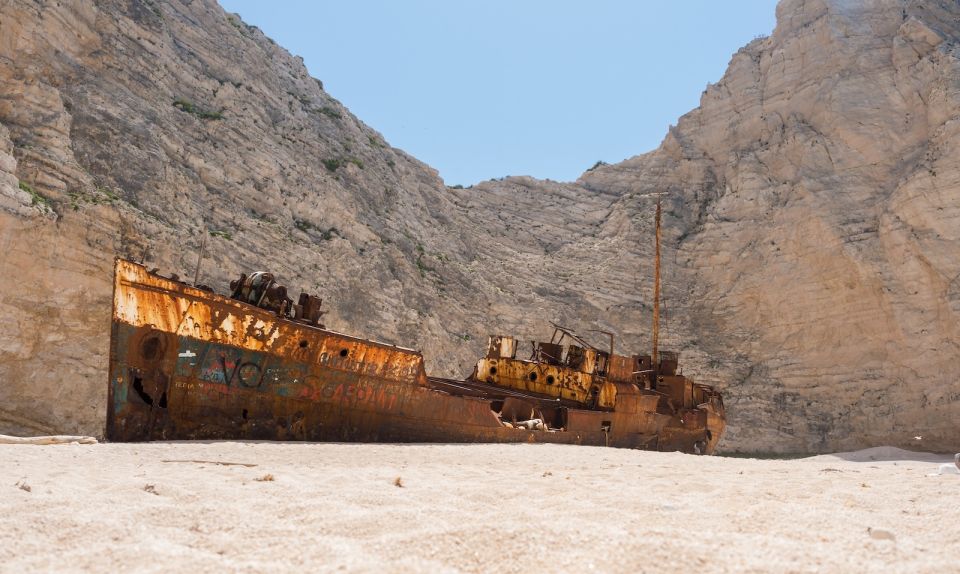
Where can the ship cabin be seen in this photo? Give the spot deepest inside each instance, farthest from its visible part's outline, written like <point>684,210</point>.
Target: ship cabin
<point>581,375</point>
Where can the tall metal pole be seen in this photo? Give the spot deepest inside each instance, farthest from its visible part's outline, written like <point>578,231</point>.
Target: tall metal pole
<point>656,289</point>
<point>203,244</point>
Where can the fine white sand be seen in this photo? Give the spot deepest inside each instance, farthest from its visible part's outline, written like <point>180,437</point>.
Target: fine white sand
<point>476,508</point>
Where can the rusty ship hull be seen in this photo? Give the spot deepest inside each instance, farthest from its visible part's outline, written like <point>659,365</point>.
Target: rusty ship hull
<point>186,364</point>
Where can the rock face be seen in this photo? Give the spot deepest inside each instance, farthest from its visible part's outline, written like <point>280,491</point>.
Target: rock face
<point>816,198</point>
<point>812,215</point>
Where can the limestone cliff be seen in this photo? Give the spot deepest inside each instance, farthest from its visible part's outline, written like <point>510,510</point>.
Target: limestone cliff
<point>816,204</point>
<point>811,223</point>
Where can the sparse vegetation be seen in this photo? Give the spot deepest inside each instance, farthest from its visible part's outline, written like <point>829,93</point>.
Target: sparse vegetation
<point>108,193</point>
<point>308,227</point>
<point>99,196</point>
<point>600,163</point>
<point>422,267</point>
<point>260,216</point>
<point>35,198</point>
<point>355,161</point>
<point>304,100</point>
<point>330,112</point>
<point>304,225</point>
<point>222,234</point>
<point>240,25</point>
<point>188,107</point>
<point>458,186</point>
<point>336,163</point>
<point>154,8</point>
<point>328,234</point>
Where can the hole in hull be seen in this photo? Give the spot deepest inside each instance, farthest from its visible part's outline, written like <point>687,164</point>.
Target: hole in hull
<point>141,392</point>
<point>138,388</point>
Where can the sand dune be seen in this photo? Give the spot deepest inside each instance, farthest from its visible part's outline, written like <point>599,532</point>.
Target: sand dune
<point>478,508</point>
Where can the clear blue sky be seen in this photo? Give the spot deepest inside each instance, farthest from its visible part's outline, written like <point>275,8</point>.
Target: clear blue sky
<point>484,89</point>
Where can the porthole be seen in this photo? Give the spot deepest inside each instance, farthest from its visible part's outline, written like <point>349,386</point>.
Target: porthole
<point>344,352</point>
<point>303,344</point>
<point>150,348</point>
<point>533,376</point>
<point>550,379</point>
<point>493,370</point>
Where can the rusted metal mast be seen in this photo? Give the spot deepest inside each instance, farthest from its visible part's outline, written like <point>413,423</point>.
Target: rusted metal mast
<point>656,288</point>
<point>203,245</point>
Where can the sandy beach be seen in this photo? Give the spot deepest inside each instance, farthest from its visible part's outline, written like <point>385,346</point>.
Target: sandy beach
<point>478,508</point>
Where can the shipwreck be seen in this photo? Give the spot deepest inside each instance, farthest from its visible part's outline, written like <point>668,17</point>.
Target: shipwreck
<point>187,363</point>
